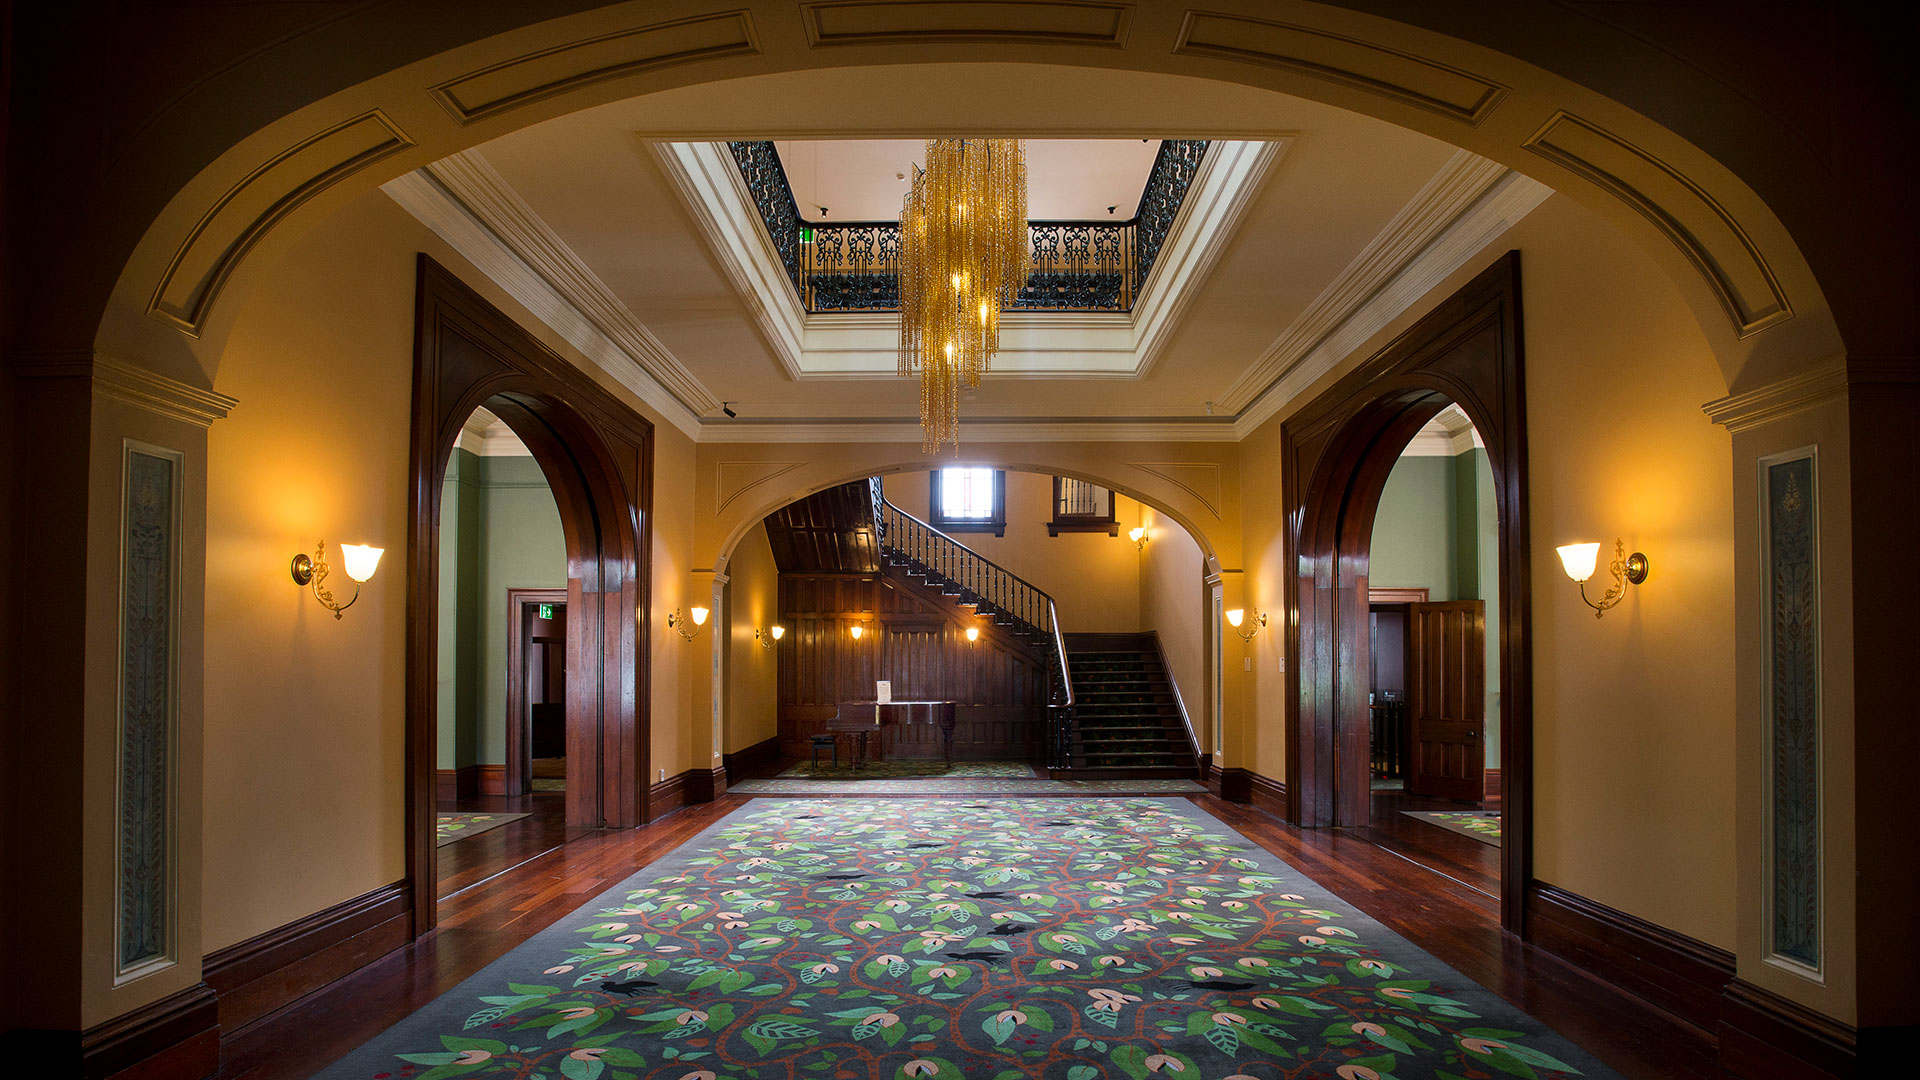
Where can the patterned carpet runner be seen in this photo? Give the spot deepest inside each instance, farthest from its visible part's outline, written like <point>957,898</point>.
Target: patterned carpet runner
<point>1065,939</point>
<point>449,826</point>
<point>1483,825</point>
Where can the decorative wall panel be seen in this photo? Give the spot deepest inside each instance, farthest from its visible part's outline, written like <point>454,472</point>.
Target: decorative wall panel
<point>148,606</point>
<point>1792,665</point>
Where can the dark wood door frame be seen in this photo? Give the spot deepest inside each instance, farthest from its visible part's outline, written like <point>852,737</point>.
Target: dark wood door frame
<point>597,455</point>
<point>1335,456</point>
<point>519,750</point>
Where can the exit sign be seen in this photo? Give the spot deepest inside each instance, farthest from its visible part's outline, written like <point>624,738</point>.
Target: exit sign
<point>546,611</point>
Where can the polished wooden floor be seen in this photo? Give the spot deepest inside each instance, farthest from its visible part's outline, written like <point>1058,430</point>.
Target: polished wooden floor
<point>1470,862</point>
<point>495,896</point>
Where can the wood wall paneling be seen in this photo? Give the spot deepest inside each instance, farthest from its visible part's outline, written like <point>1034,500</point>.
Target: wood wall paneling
<point>1000,693</point>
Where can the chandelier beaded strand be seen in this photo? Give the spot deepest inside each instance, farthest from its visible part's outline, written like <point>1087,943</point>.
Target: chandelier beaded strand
<point>963,258</point>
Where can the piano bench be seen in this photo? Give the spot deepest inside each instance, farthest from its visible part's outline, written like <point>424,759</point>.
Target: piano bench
<point>831,742</point>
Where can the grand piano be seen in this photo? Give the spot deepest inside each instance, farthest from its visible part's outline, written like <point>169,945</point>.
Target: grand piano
<point>867,721</point>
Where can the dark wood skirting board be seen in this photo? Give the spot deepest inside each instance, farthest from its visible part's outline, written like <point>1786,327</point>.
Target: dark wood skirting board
<point>1236,784</point>
<point>670,794</point>
<point>706,785</point>
<point>174,1038</point>
<point>753,760</point>
<point>1266,793</point>
<point>271,970</point>
<point>1763,1036</point>
<point>451,785</point>
<point>1672,971</point>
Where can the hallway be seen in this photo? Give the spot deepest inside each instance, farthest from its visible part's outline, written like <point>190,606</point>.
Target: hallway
<point>1455,924</point>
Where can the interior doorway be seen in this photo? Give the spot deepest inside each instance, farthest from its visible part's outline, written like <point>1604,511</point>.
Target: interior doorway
<point>1458,645</point>
<point>536,716</point>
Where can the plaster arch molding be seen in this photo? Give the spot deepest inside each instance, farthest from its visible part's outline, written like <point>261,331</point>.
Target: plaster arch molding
<point>1199,493</point>
<point>1748,283</point>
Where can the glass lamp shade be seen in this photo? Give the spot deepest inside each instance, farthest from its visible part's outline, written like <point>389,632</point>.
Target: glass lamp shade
<point>1235,616</point>
<point>360,560</point>
<point>1136,534</point>
<point>1579,559</point>
<point>777,631</point>
<point>857,631</point>
<point>699,615</point>
<point>973,633</point>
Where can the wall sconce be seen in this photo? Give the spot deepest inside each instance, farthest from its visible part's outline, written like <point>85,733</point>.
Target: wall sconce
<point>1138,534</point>
<point>856,630</point>
<point>1236,616</point>
<point>675,621</point>
<point>973,634</point>
<point>360,559</point>
<point>771,634</point>
<point>1579,560</point>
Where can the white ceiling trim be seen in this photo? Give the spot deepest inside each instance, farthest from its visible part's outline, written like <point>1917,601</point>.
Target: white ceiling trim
<point>471,179</point>
<point>1464,178</point>
<point>1032,344</point>
<point>423,196</point>
<point>486,435</point>
<point>1500,205</point>
<point>1446,435</point>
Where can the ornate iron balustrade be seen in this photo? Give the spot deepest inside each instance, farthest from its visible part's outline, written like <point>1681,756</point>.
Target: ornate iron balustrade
<point>1075,265</point>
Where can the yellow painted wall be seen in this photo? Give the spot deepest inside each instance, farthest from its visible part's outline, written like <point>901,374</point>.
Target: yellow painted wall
<point>1633,713</point>
<point>1094,578</point>
<point>305,715</point>
<point>1173,605</point>
<point>753,696</point>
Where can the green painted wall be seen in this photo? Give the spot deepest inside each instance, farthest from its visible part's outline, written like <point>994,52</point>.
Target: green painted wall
<point>1438,528</point>
<point>499,530</point>
<point>1414,529</point>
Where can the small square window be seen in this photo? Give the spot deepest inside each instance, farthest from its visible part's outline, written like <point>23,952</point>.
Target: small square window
<point>969,500</point>
<point>1079,506</point>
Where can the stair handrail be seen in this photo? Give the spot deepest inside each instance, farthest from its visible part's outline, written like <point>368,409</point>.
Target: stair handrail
<point>881,531</point>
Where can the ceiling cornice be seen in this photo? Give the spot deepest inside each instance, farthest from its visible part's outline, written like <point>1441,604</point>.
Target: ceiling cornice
<point>1468,203</point>
<point>471,179</point>
<point>429,201</point>
<point>1453,218</point>
<point>1464,178</point>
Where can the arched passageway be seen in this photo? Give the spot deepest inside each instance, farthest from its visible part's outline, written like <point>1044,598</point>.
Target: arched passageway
<point>596,456</point>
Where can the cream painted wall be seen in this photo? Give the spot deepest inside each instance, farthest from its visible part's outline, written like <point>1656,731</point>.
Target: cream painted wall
<point>1094,578</point>
<point>1173,605</point>
<point>305,716</point>
<point>753,604</point>
<point>1634,713</point>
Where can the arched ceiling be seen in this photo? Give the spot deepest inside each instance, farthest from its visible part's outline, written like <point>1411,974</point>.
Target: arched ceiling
<point>1329,208</point>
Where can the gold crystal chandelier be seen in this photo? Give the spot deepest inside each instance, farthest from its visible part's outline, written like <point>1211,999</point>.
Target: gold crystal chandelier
<point>963,257</point>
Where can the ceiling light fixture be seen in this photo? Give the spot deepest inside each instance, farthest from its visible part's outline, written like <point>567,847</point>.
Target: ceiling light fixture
<point>963,258</point>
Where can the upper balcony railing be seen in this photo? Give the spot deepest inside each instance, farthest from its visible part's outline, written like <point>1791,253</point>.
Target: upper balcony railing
<point>1075,265</point>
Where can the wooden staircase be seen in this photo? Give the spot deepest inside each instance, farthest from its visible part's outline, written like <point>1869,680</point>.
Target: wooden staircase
<point>1128,720</point>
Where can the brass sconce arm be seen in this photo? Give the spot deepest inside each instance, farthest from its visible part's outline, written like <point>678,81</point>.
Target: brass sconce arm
<point>770,636</point>
<point>313,571</point>
<point>676,622</point>
<point>1626,570</point>
<point>1245,627</point>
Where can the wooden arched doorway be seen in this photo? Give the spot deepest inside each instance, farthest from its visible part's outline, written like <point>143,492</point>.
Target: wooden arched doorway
<point>597,456</point>
<point>1336,455</point>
